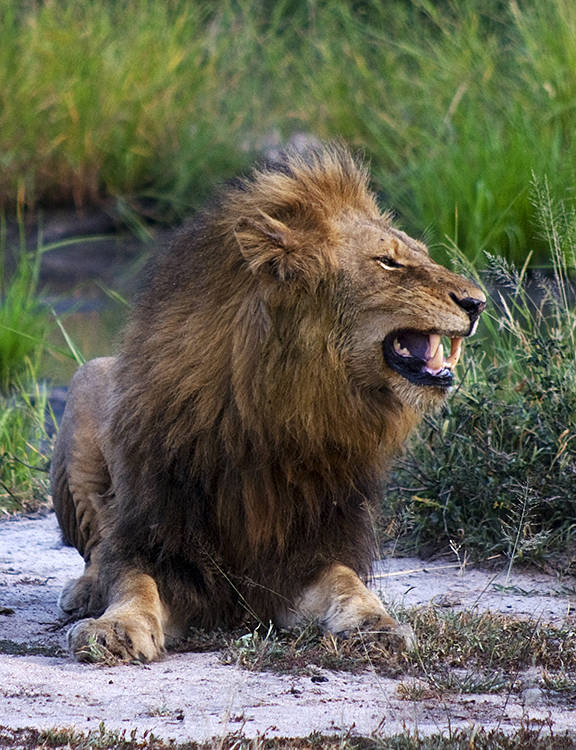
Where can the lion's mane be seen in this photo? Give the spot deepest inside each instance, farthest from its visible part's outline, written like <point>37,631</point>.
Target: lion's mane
<point>243,457</point>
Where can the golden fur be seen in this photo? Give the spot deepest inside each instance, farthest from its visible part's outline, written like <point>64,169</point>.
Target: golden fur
<point>229,459</point>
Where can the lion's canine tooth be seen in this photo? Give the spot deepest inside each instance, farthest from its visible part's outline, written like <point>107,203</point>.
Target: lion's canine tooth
<point>455,351</point>
<point>434,340</point>
<point>436,362</point>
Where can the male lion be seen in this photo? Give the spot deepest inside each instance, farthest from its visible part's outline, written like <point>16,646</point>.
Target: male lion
<point>227,460</point>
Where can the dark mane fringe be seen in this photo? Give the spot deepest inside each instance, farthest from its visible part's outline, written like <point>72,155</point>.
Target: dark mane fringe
<point>241,437</point>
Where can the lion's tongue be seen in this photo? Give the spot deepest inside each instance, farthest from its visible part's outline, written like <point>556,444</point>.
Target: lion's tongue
<point>413,344</point>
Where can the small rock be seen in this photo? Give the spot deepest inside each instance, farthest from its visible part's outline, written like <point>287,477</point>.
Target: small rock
<point>319,678</point>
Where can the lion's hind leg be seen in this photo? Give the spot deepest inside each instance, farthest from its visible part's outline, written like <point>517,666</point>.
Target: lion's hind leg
<point>81,482</point>
<point>78,517</point>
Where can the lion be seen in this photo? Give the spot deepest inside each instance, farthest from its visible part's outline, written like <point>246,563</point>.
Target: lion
<point>228,461</point>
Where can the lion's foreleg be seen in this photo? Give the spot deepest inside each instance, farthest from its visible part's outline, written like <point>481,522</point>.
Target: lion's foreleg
<point>131,628</point>
<point>342,604</point>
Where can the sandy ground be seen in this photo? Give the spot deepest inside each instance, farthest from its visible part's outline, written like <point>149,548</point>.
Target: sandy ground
<point>195,696</point>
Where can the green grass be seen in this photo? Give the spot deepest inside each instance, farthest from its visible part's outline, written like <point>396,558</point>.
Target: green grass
<point>24,327</point>
<point>121,99</point>
<point>23,321</point>
<point>533,735</point>
<point>495,471</point>
<point>456,103</point>
<point>23,450</point>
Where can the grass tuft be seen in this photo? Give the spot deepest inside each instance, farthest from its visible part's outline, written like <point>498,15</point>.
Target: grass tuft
<point>23,450</point>
<point>24,407</point>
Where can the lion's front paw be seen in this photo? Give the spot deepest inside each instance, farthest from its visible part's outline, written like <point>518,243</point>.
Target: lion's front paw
<point>343,605</point>
<point>116,639</point>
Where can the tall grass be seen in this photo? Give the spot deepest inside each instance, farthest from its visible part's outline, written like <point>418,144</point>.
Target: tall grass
<point>23,327</point>
<point>456,103</point>
<point>23,321</point>
<point>129,98</point>
<point>24,409</point>
<point>453,102</point>
<point>496,471</point>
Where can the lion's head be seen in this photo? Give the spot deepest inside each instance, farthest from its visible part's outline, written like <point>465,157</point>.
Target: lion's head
<point>413,313</point>
<point>395,317</point>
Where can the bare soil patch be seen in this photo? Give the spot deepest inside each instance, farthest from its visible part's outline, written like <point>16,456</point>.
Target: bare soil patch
<point>195,696</point>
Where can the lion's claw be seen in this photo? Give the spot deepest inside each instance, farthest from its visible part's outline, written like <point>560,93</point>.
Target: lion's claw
<point>114,641</point>
<point>398,636</point>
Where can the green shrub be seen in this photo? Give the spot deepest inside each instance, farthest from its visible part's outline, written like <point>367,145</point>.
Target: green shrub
<point>495,472</point>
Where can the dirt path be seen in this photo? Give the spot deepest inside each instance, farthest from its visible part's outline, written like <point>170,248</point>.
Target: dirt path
<point>196,696</point>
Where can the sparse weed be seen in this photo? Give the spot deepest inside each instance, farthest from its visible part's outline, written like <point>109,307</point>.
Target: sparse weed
<point>536,735</point>
<point>416,690</point>
<point>489,641</point>
<point>164,710</point>
<point>256,650</point>
<point>97,653</point>
<point>559,686</point>
<point>457,652</point>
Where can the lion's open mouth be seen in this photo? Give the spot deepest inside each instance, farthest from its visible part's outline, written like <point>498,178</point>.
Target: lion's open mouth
<point>420,357</point>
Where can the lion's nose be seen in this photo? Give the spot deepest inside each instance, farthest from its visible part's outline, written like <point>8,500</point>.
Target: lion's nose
<point>471,305</point>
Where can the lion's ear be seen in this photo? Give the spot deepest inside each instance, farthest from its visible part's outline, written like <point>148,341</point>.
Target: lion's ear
<point>269,246</point>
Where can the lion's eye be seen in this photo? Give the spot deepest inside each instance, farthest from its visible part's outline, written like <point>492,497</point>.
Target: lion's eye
<point>388,263</point>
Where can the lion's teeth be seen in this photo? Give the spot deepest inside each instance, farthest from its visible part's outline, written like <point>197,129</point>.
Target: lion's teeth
<point>434,340</point>
<point>455,351</point>
<point>401,350</point>
<point>436,362</point>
